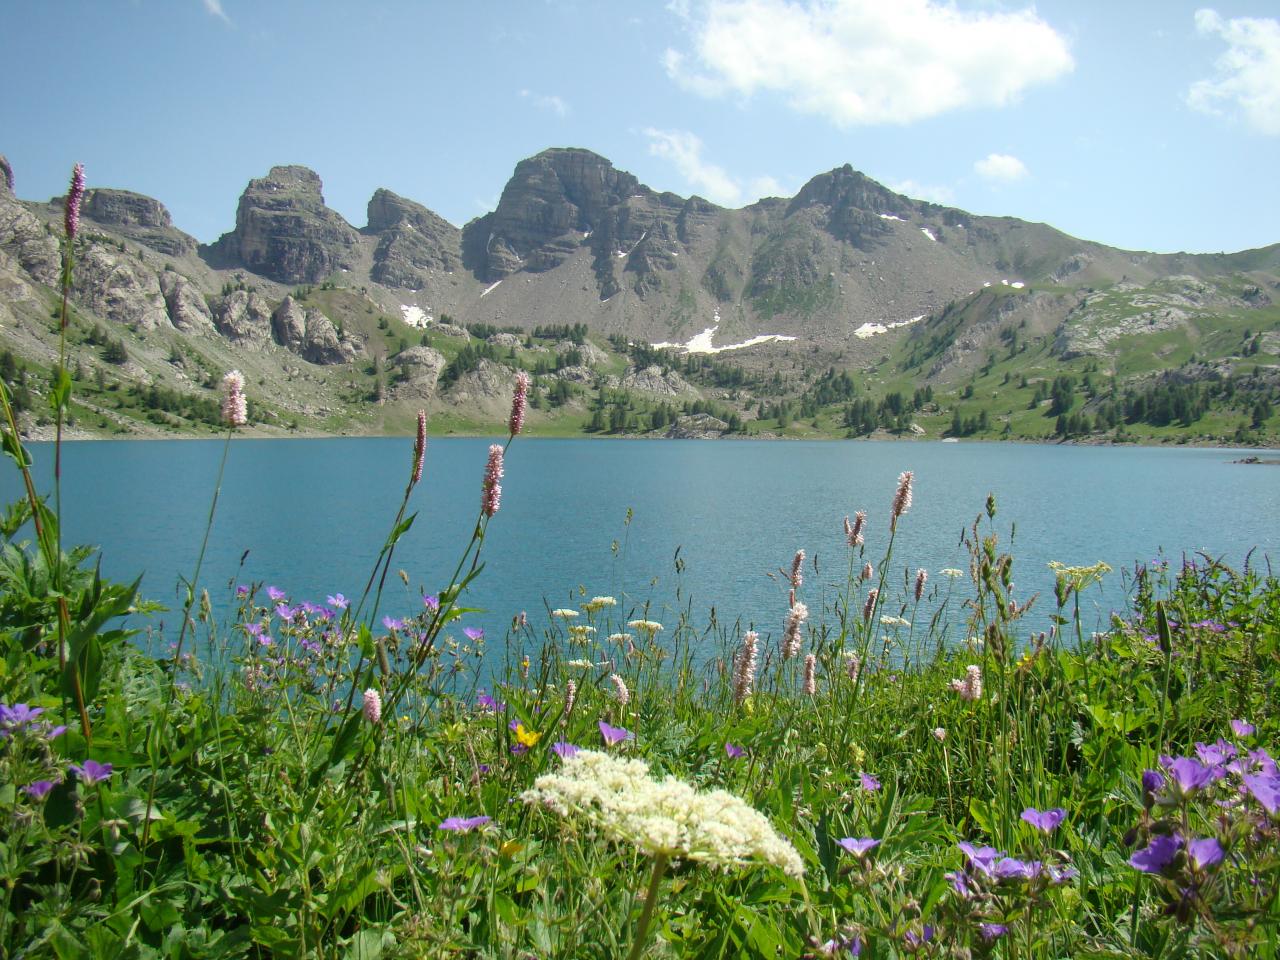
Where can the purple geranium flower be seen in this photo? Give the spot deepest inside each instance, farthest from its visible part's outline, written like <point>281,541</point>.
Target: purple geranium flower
<point>1265,789</point>
<point>615,735</point>
<point>1215,754</point>
<point>430,602</point>
<point>734,751</point>
<point>276,594</point>
<point>337,601</point>
<point>1242,728</point>
<point>391,623</point>
<point>1046,821</point>
<point>463,824</point>
<point>1190,776</point>
<point>1204,853</point>
<point>859,847</point>
<point>17,716</point>
<point>913,941</point>
<point>1010,868</point>
<point>486,702</point>
<point>38,790</point>
<point>1060,875</point>
<point>980,858</point>
<point>91,771</point>
<point>869,782</point>
<point>992,932</point>
<point>242,590</point>
<point>286,612</point>
<point>473,633</point>
<point>1156,856</point>
<point>564,750</point>
<point>1152,781</point>
<point>833,948</point>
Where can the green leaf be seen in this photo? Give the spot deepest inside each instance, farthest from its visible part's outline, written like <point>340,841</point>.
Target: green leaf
<point>60,390</point>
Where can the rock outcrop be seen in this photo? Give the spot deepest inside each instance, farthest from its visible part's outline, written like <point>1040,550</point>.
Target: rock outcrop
<point>117,287</point>
<point>420,368</point>
<point>411,241</point>
<point>6,175</point>
<point>244,317</point>
<point>285,232</point>
<point>659,382</point>
<point>309,334</point>
<point>31,243</point>
<point>697,426</point>
<point>187,308</point>
<point>139,218</point>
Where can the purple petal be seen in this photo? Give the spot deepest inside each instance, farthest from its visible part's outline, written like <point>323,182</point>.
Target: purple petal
<point>614,735</point>
<point>869,782</point>
<point>1242,728</point>
<point>734,751</point>
<point>858,847</point>
<point>564,750</point>
<point>1265,789</point>
<point>1157,855</point>
<point>1044,820</point>
<point>463,824</point>
<point>1204,853</point>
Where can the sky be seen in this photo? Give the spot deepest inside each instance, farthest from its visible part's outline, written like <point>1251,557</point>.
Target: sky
<point>1146,124</point>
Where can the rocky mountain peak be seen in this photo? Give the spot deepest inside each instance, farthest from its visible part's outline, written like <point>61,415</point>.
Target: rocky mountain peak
<point>551,201</point>
<point>851,205</point>
<point>285,232</point>
<point>138,217</point>
<point>411,241</point>
<point>6,174</point>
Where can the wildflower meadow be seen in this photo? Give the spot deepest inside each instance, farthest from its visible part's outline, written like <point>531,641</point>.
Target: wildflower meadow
<point>900,768</point>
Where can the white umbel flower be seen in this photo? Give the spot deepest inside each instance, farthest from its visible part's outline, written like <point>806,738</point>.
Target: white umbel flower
<point>668,817</point>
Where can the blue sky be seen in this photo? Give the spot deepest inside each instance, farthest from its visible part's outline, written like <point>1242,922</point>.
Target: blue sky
<point>1147,125</point>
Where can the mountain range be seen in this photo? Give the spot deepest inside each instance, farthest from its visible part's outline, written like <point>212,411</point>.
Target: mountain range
<point>345,328</point>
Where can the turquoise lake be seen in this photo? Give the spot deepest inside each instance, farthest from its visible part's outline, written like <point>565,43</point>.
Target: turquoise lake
<point>309,516</point>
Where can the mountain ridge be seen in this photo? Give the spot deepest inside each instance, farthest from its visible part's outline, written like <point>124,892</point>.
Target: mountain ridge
<point>847,271</point>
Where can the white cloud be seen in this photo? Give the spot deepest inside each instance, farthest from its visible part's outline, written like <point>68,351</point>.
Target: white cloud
<point>214,8</point>
<point>1248,74</point>
<point>924,191</point>
<point>555,104</point>
<point>1002,167</point>
<point>867,61</point>
<point>684,150</point>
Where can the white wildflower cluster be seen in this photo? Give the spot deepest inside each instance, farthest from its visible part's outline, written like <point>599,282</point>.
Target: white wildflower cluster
<point>620,638</point>
<point>565,613</point>
<point>970,688</point>
<point>645,626</point>
<point>667,817</point>
<point>579,664</point>
<point>889,621</point>
<point>580,632</point>
<point>951,572</point>
<point>599,603</point>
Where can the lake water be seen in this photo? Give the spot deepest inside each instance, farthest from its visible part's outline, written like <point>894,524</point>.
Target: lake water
<point>311,515</point>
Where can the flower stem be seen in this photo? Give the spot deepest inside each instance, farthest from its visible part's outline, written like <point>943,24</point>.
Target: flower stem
<point>650,901</point>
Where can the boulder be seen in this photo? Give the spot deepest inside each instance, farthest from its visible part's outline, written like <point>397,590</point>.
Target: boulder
<point>660,382</point>
<point>244,317</point>
<point>309,334</point>
<point>186,305</point>
<point>421,368</point>
<point>697,426</point>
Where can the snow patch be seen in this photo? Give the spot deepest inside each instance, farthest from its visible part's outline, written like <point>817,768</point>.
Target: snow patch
<point>414,316</point>
<point>868,330</point>
<point>489,289</point>
<point>986,283</point>
<point>1017,284</point>
<point>890,216</point>
<point>703,342</point>
<point>927,233</point>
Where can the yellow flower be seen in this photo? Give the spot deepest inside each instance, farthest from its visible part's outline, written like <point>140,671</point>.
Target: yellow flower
<point>526,737</point>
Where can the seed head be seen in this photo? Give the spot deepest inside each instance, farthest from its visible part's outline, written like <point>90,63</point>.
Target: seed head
<point>75,195</point>
<point>518,403</point>
<point>235,409</point>
<point>492,487</point>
